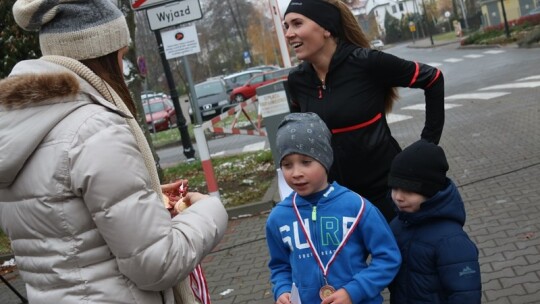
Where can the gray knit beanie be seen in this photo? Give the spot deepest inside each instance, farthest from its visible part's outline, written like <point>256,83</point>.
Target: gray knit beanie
<point>307,134</point>
<point>79,29</point>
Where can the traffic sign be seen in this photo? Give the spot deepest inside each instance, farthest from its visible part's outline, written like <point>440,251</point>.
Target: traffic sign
<point>173,13</point>
<point>142,4</point>
<point>180,42</point>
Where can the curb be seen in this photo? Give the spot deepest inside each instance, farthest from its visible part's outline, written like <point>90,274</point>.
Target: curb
<point>424,46</point>
<point>269,200</point>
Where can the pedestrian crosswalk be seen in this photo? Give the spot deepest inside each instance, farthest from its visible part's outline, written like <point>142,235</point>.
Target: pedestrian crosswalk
<point>486,93</point>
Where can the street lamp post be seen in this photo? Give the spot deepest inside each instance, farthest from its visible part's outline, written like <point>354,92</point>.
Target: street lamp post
<point>426,22</point>
<point>464,12</point>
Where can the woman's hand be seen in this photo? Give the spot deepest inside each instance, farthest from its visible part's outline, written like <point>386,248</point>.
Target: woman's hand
<point>173,193</point>
<point>188,200</point>
<point>173,189</point>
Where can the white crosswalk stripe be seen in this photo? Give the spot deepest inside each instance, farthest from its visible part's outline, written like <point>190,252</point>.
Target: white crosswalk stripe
<point>422,106</point>
<point>493,52</point>
<point>392,118</point>
<point>453,60</point>
<point>535,77</point>
<point>515,85</point>
<point>473,56</point>
<point>483,96</point>
<point>434,64</point>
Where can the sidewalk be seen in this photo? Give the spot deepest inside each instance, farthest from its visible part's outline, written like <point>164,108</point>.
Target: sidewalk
<point>493,149</point>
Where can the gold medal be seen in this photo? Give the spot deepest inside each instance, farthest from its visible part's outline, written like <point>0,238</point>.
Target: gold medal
<point>326,291</point>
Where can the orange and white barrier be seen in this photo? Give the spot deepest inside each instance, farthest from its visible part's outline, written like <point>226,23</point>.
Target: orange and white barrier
<point>236,111</point>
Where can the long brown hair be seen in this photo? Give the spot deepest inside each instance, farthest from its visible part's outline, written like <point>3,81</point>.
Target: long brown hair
<point>353,33</point>
<point>108,69</point>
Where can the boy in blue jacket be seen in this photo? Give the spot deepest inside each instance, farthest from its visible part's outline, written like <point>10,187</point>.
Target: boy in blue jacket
<point>321,235</point>
<point>440,262</point>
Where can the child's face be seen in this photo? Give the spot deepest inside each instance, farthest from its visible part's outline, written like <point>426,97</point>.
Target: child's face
<point>304,174</point>
<point>407,201</point>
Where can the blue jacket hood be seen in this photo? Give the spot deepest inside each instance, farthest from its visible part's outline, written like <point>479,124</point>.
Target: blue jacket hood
<point>446,204</point>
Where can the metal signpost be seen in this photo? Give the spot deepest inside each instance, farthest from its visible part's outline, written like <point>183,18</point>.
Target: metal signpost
<point>170,13</point>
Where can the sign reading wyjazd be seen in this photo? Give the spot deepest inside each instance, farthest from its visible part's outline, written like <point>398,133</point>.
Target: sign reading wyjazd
<point>173,13</point>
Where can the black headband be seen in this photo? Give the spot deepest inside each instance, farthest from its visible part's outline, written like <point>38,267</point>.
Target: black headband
<point>321,12</point>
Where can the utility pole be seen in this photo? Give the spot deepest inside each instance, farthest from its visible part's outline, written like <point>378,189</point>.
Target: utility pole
<point>506,28</point>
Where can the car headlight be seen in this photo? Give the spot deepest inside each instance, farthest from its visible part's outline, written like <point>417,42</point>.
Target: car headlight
<point>223,103</point>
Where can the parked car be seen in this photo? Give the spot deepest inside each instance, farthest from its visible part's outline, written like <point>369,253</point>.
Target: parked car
<point>237,79</point>
<point>248,90</point>
<point>533,11</point>
<point>377,44</point>
<point>160,114</point>
<point>212,98</point>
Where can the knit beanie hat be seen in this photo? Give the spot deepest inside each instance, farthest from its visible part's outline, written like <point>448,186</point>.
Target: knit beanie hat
<point>419,168</point>
<point>81,29</point>
<point>307,134</point>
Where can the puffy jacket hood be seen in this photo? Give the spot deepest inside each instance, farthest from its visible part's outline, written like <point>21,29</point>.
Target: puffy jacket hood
<point>23,93</point>
<point>446,204</point>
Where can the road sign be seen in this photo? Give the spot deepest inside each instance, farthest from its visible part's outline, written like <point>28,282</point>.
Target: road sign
<point>180,42</point>
<point>142,4</point>
<point>173,13</point>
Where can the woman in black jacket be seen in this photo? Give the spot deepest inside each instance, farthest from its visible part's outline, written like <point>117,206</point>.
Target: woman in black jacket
<point>352,87</point>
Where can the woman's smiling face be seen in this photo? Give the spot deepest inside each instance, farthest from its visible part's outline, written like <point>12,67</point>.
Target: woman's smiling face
<point>304,35</point>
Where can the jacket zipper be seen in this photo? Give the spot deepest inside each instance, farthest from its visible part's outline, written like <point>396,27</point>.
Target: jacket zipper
<point>321,88</point>
<point>315,235</point>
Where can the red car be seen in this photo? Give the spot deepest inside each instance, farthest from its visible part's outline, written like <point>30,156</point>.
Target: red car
<point>160,114</point>
<point>248,90</point>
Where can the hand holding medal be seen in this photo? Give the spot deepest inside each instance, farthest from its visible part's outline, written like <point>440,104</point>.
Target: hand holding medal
<point>337,297</point>
<point>174,196</point>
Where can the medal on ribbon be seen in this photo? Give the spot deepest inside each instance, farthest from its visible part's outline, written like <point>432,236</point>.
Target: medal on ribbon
<point>326,290</point>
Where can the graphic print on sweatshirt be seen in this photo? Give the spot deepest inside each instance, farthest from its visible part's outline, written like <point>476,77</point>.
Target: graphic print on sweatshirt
<point>328,232</point>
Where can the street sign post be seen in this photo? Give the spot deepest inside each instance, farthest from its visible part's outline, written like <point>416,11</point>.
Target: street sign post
<point>173,13</point>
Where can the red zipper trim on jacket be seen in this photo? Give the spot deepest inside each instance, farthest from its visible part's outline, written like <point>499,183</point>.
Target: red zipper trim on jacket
<point>416,72</point>
<point>321,88</point>
<point>358,126</point>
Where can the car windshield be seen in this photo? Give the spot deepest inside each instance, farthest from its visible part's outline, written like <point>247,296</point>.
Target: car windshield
<point>153,107</point>
<point>208,89</point>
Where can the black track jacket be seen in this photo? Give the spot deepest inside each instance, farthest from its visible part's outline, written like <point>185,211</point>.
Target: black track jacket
<point>351,103</point>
